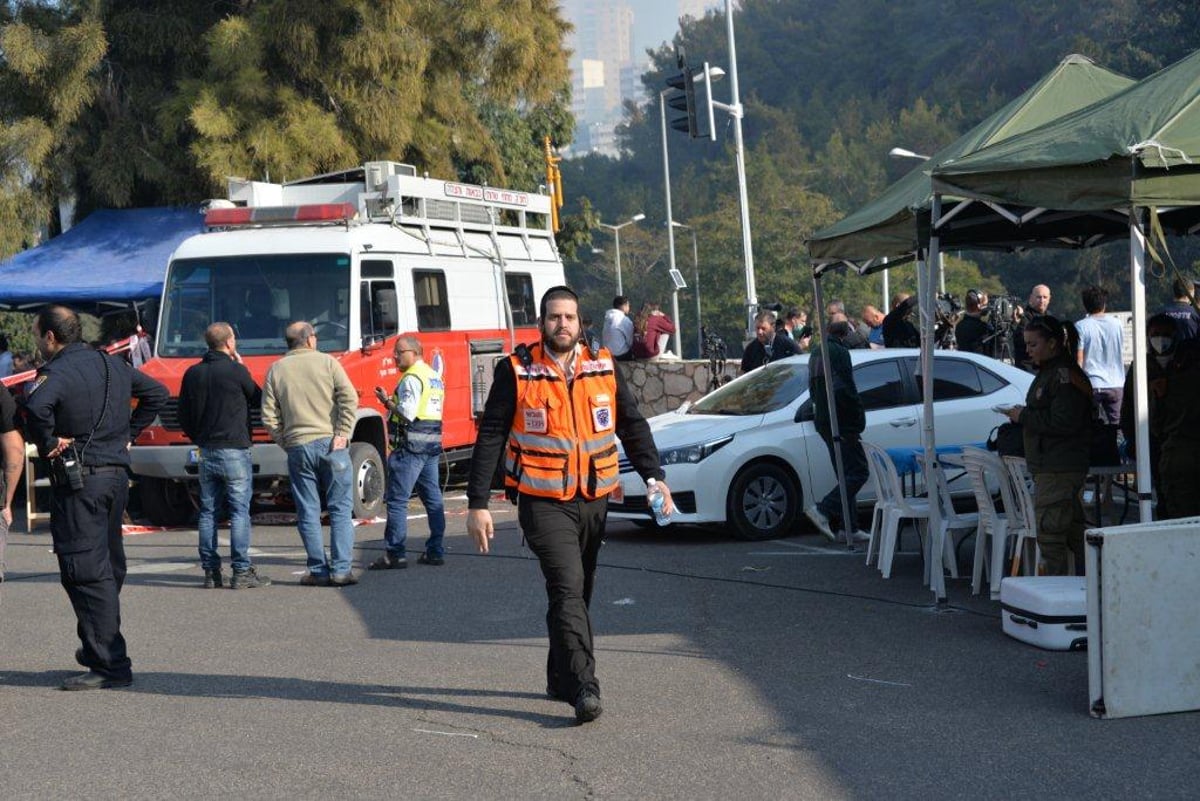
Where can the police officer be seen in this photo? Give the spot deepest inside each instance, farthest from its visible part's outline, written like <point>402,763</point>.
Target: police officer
<point>77,414</point>
<point>1056,422</point>
<point>556,409</point>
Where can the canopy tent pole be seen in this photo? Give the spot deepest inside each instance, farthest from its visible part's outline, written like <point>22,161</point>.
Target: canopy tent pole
<point>925,293</point>
<point>1141,398</point>
<point>848,522</point>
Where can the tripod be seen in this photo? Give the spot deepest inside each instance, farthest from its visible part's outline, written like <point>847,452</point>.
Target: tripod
<point>999,345</point>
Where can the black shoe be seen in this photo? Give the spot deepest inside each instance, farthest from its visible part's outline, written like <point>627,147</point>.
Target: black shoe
<point>388,562</point>
<point>344,580</point>
<point>587,706</point>
<point>309,580</point>
<point>430,559</point>
<point>213,579</point>
<point>94,681</point>
<point>248,579</point>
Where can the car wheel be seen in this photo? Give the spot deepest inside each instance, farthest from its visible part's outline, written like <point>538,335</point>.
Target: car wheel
<point>764,502</point>
<point>370,480</point>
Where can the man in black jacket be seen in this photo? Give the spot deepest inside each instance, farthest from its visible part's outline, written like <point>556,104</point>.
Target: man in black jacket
<point>214,411</point>
<point>826,515</point>
<point>768,344</point>
<point>77,414</point>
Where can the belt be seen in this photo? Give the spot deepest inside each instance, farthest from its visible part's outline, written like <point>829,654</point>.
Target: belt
<point>103,468</point>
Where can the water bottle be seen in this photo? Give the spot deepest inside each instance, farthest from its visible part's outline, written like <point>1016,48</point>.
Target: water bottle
<point>656,499</point>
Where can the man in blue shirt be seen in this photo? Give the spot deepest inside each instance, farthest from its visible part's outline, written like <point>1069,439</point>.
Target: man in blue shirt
<point>1100,355</point>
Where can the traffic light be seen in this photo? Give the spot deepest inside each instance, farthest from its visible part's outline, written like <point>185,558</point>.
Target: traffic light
<point>683,98</point>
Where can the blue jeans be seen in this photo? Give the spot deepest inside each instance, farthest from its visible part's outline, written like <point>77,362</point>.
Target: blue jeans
<point>316,471</point>
<point>226,478</point>
<point>405,471</point>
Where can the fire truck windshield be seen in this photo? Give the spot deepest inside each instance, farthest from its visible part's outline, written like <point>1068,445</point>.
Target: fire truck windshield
<point>259,296</point>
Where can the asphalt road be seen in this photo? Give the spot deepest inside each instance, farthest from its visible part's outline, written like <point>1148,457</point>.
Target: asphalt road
<point>777,670</point>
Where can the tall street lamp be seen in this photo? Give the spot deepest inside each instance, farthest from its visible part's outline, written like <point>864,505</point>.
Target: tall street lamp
<point>616,229</point>
<point>696,282</point>
<point>905,153</point>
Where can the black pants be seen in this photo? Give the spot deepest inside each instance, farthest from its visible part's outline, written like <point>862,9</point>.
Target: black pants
<point>86,528</point>
<point>566,537</point>
<point>854,462</point>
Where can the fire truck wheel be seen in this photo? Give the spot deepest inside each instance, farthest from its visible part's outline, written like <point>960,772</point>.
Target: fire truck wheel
<point>165,502</point>
<point>370,480</point>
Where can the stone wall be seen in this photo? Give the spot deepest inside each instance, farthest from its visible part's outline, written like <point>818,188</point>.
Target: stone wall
<point>662,385</point>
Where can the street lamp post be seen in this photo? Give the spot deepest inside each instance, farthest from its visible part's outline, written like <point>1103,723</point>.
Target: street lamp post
<point>662,115</point>
<point>696,284</point>
<point>905,153</point>
<point>616,229</point>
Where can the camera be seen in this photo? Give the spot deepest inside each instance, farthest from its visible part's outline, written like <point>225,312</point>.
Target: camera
<point>68,468</point>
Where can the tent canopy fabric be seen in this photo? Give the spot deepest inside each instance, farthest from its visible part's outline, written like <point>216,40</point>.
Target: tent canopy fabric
<point>1139,147</point>
<point>111,256</point>
<point>890,226</point>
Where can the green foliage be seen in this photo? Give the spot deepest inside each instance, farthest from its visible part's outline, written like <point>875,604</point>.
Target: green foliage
<point>146,102</point>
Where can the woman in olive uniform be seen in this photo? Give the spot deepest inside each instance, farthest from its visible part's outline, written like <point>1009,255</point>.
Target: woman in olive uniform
<point>1057,423</point>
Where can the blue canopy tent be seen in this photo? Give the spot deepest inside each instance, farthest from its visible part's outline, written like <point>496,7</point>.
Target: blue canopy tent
<point>113,257</point>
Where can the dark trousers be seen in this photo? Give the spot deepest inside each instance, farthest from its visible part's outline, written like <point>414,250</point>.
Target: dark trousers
<point>854,462</point>
<point>566,537</point>
<point>86,528</point>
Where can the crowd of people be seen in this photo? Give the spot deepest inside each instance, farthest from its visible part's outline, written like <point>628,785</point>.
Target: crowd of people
<point>643,336</point>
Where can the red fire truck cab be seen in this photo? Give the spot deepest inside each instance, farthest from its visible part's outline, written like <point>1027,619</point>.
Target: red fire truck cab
<point>364,256</point>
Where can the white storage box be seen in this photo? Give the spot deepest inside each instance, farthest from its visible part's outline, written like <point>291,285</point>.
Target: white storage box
<point>1047,611</point>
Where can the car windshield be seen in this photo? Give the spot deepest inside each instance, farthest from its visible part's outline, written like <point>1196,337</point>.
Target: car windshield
<point>258,296</point>
<point>766,390</point>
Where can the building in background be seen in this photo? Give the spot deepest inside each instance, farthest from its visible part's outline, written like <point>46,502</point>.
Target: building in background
<point>608,58</point>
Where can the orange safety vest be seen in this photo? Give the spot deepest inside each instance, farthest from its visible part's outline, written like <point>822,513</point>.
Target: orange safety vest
<point>563,438</point>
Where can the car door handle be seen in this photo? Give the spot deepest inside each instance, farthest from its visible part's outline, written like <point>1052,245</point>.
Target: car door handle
<point>903,422</point>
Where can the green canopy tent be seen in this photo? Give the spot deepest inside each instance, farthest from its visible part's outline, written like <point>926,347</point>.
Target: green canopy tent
<point>895,227</point>
<point>1133,157</point>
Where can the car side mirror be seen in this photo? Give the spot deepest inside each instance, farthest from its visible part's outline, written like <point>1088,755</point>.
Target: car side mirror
<point>805,413</point>
<point>371,343</point>
<point>683,407</point>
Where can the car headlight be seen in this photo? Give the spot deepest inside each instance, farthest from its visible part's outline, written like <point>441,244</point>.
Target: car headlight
<point>691,454</point>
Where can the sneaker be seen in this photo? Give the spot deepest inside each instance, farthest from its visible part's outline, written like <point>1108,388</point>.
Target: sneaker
<point>309,580</point>
<point>388,562</point>
<point>213,579</point>
<point>430,559</point>
<point>819,520</point>
<point>248,579</point>
<point>344,580</point>
<point>860,536</point>
<point>587,706</point>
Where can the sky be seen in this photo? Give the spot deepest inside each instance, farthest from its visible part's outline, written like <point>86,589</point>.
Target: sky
<point>655,22</point>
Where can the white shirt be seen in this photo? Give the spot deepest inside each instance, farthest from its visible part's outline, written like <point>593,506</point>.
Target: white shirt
<point>1100,339</point>
<point>617,334</point>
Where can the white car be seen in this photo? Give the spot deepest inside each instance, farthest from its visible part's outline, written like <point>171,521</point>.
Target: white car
<point>749,455</point>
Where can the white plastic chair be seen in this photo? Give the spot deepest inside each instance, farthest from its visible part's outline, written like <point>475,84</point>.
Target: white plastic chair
<point>896,507</point>
<point>994,526</point>
<point>1026,536</point>
<point>951,520</point>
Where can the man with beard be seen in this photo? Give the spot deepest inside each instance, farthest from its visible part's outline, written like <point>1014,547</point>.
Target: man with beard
<point>555,410</point>
<point>768,344</point>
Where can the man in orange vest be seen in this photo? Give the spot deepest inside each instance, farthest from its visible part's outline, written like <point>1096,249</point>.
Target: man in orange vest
<point>555,411</point>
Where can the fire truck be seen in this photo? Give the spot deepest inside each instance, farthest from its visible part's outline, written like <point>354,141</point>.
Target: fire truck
<point>364,256</point>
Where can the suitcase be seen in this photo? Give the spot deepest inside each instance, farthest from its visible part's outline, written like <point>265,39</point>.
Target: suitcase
<point>1047,611</point>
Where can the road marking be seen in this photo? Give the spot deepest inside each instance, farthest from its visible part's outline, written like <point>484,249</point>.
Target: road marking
<point>448,733</point>
<point>877,681</point>
<point>160,567</point>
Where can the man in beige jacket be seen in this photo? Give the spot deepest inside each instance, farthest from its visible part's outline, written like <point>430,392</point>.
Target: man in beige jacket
<point>309,407</point>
